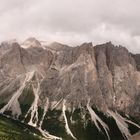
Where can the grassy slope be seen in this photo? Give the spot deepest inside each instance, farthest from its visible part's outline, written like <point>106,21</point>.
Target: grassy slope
<point>9,130</point>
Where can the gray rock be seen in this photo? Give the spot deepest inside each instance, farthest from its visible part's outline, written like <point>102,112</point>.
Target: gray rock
<point>107,74</point>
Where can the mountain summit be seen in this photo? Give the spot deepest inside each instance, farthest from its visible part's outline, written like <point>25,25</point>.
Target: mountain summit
<point>31,42</point>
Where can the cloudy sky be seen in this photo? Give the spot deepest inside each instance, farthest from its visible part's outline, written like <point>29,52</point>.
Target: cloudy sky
<point>72,21</point>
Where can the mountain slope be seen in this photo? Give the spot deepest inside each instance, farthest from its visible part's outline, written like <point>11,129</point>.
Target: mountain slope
<point>12,130</point>
<point>37,78</point>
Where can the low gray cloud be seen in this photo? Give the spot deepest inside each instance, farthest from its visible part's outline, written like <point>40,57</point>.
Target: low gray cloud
<point>72,21</point>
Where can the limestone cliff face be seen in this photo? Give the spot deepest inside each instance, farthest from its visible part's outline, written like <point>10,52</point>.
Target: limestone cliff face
<point>108,75</point>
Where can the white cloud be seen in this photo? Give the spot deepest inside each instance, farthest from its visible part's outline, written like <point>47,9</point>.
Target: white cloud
<point>72,21</point>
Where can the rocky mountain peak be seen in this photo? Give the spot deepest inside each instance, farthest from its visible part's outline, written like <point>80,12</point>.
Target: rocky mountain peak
<point>31,42</point>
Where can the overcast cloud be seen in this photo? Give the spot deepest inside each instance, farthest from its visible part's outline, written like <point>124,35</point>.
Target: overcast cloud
<point>72,21</point>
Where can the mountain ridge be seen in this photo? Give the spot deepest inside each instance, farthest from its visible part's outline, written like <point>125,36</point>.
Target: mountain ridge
<point>60,77</point>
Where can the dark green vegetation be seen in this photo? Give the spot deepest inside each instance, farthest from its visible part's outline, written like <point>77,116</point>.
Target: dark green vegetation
<point>81,127</point>
<point>13,130</point>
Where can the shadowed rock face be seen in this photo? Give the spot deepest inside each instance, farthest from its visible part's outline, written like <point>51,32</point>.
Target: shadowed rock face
<point>107,75</point>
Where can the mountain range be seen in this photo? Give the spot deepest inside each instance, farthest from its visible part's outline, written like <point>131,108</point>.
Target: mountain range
<point>40,81</point>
